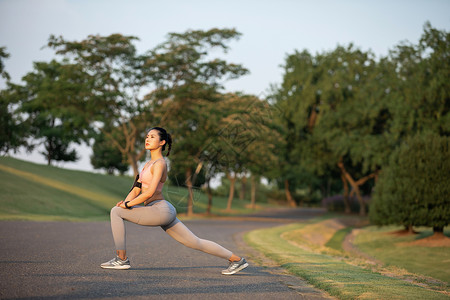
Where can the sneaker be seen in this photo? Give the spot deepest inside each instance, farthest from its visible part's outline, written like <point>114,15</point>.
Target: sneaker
<point>116,263</point>
<point>235,266</point>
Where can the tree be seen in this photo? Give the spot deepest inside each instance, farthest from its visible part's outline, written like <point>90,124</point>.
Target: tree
<point>13,132</point>
<point>3,54</point>
<point>329,109</point>
<point>116,97</point>
<point>413,189</point>
<point>188,84</point>
<point>106,156</point>
<point>419,105</point>
<point>420,96</point>
<point>251,139</point>
<point>52,102</point>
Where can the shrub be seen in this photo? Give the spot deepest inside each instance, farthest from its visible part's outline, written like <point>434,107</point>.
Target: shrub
<point>414,189</point>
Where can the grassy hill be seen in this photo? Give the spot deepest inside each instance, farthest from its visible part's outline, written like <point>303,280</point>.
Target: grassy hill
<point>38,192</point>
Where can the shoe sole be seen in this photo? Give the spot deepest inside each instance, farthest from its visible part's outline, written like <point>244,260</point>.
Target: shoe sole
<point>117,267</point>
<point>236,270</point>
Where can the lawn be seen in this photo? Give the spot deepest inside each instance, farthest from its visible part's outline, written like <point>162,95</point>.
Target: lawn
<point>39,192</point>
<point>298,248</point>
<point>395,250</point>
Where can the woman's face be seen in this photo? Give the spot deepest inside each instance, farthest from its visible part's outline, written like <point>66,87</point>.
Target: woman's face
<point>152,140</point>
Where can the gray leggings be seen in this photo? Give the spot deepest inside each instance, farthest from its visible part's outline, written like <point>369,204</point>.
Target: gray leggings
<point>161,213</point>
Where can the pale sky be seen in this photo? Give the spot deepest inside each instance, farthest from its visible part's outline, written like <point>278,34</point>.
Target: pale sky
<point>270,30</point>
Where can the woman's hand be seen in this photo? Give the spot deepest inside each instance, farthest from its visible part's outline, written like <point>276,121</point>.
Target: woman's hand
<point>120,204</point>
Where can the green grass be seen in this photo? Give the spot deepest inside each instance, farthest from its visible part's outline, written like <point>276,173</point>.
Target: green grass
<point>331,273</point>
<point>23,199</point>
<point>430,261</point>
<point>338,238</point>
<point>38,192</point>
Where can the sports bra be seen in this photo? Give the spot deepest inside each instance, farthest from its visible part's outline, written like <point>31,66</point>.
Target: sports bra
<point>146,178</point>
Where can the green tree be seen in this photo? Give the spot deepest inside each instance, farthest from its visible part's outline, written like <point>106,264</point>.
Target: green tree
<point>419,105</point>
<point>250,140</point>
<point>13,132</point>
<point>107,156</point>
<point>3,54</point>
<point>120,80</point>
<point>52,102</point>
<point>188,84</point>
<point>413,189</point>
<point>352,117</point>
<point>328,108</point>
<point>420,96</point>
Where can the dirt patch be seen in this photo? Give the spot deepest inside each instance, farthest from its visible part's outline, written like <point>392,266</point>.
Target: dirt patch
<point>349,247</point>
<point>321,233</point>
<point>402,232</point>
<point>254,207</point>
<point>431,241</point>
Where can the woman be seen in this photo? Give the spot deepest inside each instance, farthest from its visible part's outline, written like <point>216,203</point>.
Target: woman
<point>147,189</point>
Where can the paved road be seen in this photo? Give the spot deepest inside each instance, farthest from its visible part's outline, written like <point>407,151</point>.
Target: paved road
<point>60,260</point>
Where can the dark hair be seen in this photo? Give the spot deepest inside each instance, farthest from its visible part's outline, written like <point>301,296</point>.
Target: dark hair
<point>164,136</point>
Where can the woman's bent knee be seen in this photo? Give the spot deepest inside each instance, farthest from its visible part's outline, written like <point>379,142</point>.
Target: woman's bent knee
<point>115,210</point>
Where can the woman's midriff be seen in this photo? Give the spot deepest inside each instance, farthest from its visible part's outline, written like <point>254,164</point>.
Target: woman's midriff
<point>156,196</point>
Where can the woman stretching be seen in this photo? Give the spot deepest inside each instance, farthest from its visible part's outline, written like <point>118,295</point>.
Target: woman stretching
<point>156,211</point>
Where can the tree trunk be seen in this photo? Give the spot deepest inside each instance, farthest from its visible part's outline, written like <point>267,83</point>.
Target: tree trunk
<point>49,148</point>
<point>231,194</point>
<point>210,196</point>
<point>197,170</point>
<point>110,171</point>
<point>133,163</point>
<point>190,204</point>
<point>348,177</point>
<point>289,198</point>
<point>346,201</point>
<point>49,158</point>
<point>362,205</point>
<point>253,192</point>
<point>312,118</point>
<point>243,188</point>
<point>438,232</point>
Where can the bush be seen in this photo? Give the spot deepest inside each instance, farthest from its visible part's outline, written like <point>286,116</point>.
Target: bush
<point>414,189</point>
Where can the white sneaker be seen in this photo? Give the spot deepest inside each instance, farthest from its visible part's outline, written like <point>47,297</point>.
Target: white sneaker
<point>116,263</point>
<point>235,266</point>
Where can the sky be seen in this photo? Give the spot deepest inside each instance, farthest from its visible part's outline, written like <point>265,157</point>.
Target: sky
<point>270,31</point>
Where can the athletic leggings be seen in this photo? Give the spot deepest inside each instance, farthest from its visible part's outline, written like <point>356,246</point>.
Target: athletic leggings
<point>161,213</point>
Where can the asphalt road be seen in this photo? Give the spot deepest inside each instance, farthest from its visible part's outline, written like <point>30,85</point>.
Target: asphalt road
<point>61,260</point>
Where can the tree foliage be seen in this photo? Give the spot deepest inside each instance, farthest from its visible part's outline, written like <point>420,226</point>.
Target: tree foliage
<point>119,79</point>
<point>52,102</point>
<point>106,156</point>
<point>188,84</point>
<point>337,116</point>
<point>329,112</point>
<point>13,132</point>
<point>414,188</point>
<point>342,112</point>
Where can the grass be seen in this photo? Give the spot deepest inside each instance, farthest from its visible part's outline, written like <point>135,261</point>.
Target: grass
<point>394,250</point>
<point>39,192</point>
<point>327,270</point>
<point>338,238</point>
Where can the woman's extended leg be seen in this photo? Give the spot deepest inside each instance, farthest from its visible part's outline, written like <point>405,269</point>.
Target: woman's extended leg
<point>183,235</point>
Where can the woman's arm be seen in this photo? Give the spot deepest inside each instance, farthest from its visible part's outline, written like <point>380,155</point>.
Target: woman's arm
<point>158,170</point>
<point>131,195</point>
